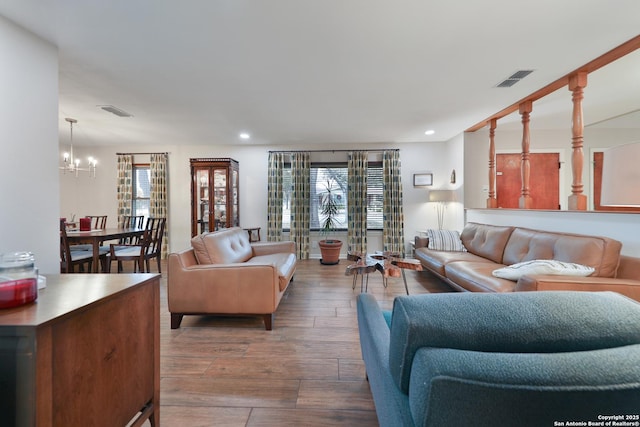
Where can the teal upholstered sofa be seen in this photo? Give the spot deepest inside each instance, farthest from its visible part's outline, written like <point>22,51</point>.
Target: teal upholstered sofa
<point>515,359</point>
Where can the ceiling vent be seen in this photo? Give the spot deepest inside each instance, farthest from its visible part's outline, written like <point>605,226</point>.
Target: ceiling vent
<point>114,110</point>
<point>514,78</point>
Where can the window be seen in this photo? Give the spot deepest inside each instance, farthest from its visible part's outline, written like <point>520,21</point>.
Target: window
<point>141,194</point>
<point>335,175</point>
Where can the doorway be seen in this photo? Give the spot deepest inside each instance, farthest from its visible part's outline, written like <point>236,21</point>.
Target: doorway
<point>544,180</point>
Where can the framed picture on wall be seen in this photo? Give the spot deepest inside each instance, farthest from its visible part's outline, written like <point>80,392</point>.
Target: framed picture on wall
<point>422,179</point>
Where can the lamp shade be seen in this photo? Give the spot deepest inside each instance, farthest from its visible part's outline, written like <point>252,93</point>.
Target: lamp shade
<point>442,196</point>
<point>621,176</point>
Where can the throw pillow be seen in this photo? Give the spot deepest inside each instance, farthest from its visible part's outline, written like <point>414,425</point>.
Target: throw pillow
<point>542,266</point>
<point>445,240</point>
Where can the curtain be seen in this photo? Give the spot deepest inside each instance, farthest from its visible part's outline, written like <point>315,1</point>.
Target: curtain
<point>357,196</point>
<point>124,185</point>
<point>300,202</point>
<point>158,196</point>
<point>274,197</point>
<point>393,228</point>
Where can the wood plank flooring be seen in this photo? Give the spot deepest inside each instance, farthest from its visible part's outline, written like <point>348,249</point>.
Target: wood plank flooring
<point>307,371</point>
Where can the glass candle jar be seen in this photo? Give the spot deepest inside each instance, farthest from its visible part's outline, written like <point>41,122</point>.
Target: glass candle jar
<point>18,279</point>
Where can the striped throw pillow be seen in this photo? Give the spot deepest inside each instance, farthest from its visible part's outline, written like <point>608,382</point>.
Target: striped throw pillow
<point>445,240</point>
<point>542,266</point>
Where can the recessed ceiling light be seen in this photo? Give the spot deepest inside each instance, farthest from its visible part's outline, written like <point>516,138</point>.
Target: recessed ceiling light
<point>244,135</point>
<point>429,132</point>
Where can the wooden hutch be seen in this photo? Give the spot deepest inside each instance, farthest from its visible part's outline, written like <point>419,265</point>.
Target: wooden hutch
<point>214,194</point>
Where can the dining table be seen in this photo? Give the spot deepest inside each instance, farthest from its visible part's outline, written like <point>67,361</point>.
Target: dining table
<point>98,236</point>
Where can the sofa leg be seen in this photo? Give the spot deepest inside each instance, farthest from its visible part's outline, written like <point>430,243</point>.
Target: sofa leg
<point>176,319</point>
<point>268,321</point>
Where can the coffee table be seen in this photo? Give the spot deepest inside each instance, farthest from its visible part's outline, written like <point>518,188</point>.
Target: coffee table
<point>389,264</point>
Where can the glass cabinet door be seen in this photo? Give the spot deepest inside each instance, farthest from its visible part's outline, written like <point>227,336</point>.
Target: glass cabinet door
<point>202,199</point>
<point>220,198</point>
<point>234,203</point>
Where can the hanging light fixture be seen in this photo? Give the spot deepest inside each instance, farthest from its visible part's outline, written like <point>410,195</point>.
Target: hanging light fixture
<point>71,164</point>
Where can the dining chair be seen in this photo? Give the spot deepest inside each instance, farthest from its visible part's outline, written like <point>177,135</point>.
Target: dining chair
<point>149,247</point>
<point>132,221</point>
<point>154,250</point>
<point>68,258</point>
<point>98,222</point>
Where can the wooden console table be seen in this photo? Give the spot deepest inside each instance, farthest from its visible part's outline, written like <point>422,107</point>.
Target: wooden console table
<point>85,353</point>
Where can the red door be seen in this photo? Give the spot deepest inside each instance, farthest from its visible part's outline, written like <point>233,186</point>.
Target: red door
<point>544,180</point>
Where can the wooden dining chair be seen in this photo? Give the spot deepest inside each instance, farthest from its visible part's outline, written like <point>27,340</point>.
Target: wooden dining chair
<point>149,247</point>
<point>132,221</point>
<point>70,259</point>
<point>98,222</point>
<point>154,250</point>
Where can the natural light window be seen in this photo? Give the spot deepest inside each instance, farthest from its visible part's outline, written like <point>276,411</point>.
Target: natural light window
<point>141,193</point>
<point>336,177</point>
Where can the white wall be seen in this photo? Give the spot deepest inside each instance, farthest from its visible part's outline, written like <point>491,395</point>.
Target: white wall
<point>84,196</point>
<point>476,157</point>
<point>29,188</point>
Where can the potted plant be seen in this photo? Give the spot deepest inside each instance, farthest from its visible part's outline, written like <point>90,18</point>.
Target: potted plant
<point>330,206</point>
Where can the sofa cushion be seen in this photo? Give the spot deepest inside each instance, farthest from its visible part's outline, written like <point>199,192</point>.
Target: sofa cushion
<point>516,322</point>
<point>445,240</point>
<point>436,260</point>
<point>285,264</point>
<point>601,253</point>
<point>468,388</point>
<point>487,241</point>
<point>477,277</point>
<point>542,266</point>
<point>222,247</point>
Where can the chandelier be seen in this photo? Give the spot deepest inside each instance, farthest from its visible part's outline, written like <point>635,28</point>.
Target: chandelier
<point>71,164</point>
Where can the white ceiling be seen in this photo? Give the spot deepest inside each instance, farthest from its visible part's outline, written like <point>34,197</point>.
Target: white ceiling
<point>317,71</point>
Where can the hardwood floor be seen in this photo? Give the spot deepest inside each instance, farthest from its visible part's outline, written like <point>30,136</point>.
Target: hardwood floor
<point>230,371</point>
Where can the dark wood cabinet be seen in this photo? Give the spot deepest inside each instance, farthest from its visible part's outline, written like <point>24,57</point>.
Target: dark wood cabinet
<point>87,352</point>
<point>214,194</point>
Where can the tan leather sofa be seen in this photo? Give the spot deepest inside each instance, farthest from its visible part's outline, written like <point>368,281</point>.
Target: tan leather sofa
<point>224,273</point>
<point>490,247</point>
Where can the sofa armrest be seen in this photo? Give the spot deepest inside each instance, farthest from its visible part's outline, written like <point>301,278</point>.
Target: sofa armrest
<point>627,287</point>
<point>266,248</point>
<point>392,406</point>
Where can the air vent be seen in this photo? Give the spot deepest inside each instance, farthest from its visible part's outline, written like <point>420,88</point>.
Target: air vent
<point>514,78</point>
<point>114,110</point>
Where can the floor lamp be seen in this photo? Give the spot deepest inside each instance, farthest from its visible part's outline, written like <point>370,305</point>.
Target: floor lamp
<point>621,176</point>
<point>441,198</point>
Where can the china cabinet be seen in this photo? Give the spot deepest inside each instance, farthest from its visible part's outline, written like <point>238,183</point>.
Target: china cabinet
<point>214,194</point>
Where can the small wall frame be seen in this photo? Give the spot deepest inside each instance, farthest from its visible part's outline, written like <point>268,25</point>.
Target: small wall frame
<point>422,179</point>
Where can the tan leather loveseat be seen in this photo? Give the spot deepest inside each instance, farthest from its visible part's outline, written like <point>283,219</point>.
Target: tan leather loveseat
<point>223,273</point>
<point>490,247</point>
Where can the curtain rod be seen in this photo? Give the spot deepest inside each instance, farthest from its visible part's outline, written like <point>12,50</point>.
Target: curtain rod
<point>131,154</point>
<point>333,151</point>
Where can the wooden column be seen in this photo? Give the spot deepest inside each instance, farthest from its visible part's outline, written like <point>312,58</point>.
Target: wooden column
<point>577,200</point>
<point>525,201</point>
<point>492,202</point>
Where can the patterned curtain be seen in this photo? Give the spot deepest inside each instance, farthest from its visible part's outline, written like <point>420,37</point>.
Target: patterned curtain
<point>357,188</point>
<point>124,185</point>
<point>300,202</point>
<point>158,197</point>
<point>274,197</point>
<point>393,228</point>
